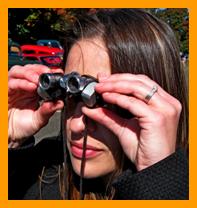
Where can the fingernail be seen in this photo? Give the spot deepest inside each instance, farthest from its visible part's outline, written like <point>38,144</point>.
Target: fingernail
<point>106,94</point>
<point>102,76</point>
<point>99,85</point>
<point>84,109</point>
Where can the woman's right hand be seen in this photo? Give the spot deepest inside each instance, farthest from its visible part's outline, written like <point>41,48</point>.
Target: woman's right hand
<point>25,115</point>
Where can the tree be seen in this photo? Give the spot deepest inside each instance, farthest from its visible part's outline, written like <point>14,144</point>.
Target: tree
<point>178,19</point>
<point>29,25</point>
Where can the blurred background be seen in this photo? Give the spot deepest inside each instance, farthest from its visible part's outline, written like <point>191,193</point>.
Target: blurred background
<point>46,27</point>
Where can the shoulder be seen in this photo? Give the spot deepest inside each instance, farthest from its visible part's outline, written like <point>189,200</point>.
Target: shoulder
<point>26,164</point>
<point>167,179</point>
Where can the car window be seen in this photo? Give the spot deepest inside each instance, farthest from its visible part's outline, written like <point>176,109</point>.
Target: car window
<point>55,45</point>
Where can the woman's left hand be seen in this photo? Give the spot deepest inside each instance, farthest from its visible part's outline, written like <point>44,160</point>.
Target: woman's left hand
<point>150,135</point>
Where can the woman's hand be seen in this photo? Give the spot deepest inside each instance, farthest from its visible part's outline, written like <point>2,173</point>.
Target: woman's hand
<point>150,135</point>
<point>25,115</point>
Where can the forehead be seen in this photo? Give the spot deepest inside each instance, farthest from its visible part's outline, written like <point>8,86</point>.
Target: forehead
<point>88,57</point>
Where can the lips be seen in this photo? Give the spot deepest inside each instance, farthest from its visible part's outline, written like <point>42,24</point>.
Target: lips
<point>90,152</point>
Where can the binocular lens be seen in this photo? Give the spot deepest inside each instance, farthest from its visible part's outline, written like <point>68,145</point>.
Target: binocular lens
<point>73,85</point>
<point>53,86</point>
<point>45,82</point>
<point>49,80</point>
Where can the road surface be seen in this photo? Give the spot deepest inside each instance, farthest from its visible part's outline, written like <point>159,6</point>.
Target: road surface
<point>51,129</point>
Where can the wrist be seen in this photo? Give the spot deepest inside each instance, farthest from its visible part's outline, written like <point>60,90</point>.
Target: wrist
<point>12,142</point>
<point>145,163</point>
<point>13,145</point>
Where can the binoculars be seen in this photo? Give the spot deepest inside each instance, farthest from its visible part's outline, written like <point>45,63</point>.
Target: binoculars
<point>54,86</point>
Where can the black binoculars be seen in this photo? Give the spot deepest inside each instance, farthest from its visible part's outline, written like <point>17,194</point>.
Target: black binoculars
<point>54,86</point>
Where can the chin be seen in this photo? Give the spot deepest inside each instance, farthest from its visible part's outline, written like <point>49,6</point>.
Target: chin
<point>91,170</point>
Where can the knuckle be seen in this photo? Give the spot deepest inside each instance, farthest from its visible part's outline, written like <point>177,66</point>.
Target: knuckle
<point>36,66</point>
<point>116,86</point>
<point>138,83</point>
<point>29,73</point>
<point>14,68</point>
<point>178,106</point>
<point>29,68</point>
<point>175,109</point>
<point>143,77</point>
<point>10,83</point>
<point>172,112</point>
<point>160,119</point>
<point>41,66</point>
<point>57,71</point>
<point>29,65</point>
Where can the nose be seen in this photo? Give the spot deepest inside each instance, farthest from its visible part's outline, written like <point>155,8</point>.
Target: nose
<point>77,122</point>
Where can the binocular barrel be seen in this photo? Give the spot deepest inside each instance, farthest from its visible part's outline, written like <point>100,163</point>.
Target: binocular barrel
<point>48,80</point>
<point>53,86</point>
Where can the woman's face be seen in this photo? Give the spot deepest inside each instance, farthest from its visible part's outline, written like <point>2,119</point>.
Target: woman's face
<point>103,149</point>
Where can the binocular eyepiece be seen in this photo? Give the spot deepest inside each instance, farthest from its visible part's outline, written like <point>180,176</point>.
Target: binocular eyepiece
<point>54,86</point>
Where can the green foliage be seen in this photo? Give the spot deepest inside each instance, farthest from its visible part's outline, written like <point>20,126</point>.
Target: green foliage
<point>178,19</point>
<point>29,25</point>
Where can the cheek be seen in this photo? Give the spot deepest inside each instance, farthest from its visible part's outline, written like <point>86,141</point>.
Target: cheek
<point>115,149</point>
<point>67,128</point>
<point>71,106</point>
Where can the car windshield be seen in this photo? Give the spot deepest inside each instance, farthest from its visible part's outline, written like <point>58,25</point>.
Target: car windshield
<point>54,44</point>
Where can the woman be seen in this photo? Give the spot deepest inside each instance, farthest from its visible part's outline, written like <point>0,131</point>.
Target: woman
<point>132,155</point>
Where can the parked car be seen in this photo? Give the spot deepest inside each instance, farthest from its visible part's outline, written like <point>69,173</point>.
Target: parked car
<point>52,62</point>
<point>13,47</point>
<point>35,50</point>
<point>15,56</point>
<point>50,43</point>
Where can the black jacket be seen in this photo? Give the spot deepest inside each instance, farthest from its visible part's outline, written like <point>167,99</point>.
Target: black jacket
<point>167,179</point>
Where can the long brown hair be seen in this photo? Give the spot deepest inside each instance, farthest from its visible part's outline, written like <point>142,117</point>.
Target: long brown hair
<point>137,43</point>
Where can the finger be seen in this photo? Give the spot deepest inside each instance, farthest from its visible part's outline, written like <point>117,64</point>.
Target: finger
<point>45,69</point>
<point>45,111</point>
<point>140,91</point>
<point>105,117</point>
<point>119,126</point>
<point>20,84</point>
<point>139,109</point>
<point>30,72</point>
<point>124,76</point>
<point>136,77</point>
<point>134,88</point>
<point>135,106</point>
<point>57,71</point>
<point>101,76</point>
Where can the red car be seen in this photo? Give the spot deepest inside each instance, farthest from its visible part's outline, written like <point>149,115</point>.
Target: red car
<point>37,50</point>
<point>50,56</point>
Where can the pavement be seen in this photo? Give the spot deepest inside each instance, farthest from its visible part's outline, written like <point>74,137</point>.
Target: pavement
<point>51,129</point>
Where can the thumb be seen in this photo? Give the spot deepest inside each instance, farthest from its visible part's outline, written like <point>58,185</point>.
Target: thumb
<point>125,130</point>
<point>105,117</point>
<point>45,111</point>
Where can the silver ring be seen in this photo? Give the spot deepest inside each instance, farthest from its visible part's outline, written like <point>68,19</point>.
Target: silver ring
<point>151,93</point>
